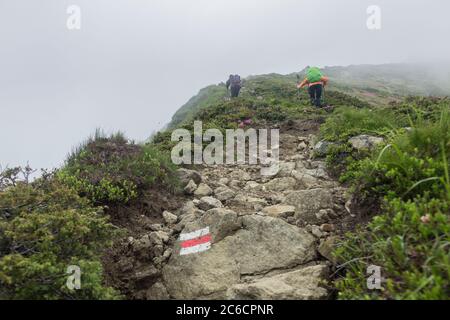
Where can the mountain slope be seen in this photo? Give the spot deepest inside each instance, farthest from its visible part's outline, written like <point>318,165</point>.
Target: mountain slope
<point>375,84</point>
<point>365,185</point>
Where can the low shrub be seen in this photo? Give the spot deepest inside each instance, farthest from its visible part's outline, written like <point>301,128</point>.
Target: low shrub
<point>409,238</point>
<point>413,163</point>
<point>45,227</point>
<point>410,242</point>
<point>347,122</point>
<point>114,170</point>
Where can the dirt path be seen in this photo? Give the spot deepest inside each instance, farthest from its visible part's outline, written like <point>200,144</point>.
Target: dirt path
<point>241,235</point>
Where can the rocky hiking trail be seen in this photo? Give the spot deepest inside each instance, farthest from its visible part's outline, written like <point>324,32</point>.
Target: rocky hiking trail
<point>240,235</point>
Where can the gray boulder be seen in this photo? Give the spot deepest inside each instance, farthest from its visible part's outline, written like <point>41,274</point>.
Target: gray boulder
<point>309,202</point>
<point>280,184</point>
<point>224,193</point>
<point>303,284</point>
<point>365,142</point>
<point>158,237</point>
<point>169,217</point>
<point>286,169</point>
<point>322,147</point>
<point>247,202</point>
<point>261,245</point>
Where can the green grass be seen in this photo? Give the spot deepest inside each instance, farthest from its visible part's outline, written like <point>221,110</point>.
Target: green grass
<point>409,237</point>
<point>348,122</point>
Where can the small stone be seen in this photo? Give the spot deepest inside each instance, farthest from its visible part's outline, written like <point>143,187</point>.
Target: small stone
<point>150,272</point>
<point>327,247</point>
<point>224,193</point>
<point>191,187</point>
<point>302,146</point>
<point>327,227</point>
<point>157,292</point>
<point>315,230</point>
<point>188,208</point>
<point>203,190</point>
<point>188,218</point>
<point>302,139</point>
<point>348,206</point>
<point>235,184</point>
<point>156,227</point>
<point>208,203</point>
<point>159,237</point>
<point>252,185</point>
<point>142,244</point>
<point>186,175</point>
<point>158,250</point>
<point>322,215</point>
<point>170,218</point>
<point>321,148</point>
<point>168,253</point>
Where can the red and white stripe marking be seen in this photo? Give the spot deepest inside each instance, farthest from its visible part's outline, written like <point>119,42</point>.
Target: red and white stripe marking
<point>195,242</point>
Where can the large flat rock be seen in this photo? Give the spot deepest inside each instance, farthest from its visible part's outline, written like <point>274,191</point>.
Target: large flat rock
<point>241,246</point>
<point>304,284</point>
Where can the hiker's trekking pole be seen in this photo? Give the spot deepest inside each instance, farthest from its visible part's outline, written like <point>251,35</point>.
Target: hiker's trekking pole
<point>298,89</point>
<point>323,94</point>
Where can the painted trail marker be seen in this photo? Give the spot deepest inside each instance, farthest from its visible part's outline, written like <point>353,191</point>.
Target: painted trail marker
<point>195,242</point>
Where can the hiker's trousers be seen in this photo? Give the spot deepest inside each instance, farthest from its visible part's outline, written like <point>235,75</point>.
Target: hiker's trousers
<point>235,91</point>
<point>315,93</point>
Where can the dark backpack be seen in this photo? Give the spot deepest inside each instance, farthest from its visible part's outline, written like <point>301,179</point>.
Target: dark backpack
<point>235,81</point>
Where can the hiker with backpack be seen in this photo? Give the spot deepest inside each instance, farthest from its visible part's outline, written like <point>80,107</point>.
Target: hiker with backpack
<point>234,84</point>
<point>316,82</point>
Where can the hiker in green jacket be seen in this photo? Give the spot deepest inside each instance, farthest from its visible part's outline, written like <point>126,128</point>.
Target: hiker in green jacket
<point>315,81</point>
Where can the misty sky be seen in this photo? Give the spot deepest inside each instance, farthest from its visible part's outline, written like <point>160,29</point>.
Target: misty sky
<point>135,62</point>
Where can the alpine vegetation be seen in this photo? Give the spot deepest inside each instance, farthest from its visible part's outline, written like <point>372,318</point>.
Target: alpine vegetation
<point>301,186</point>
